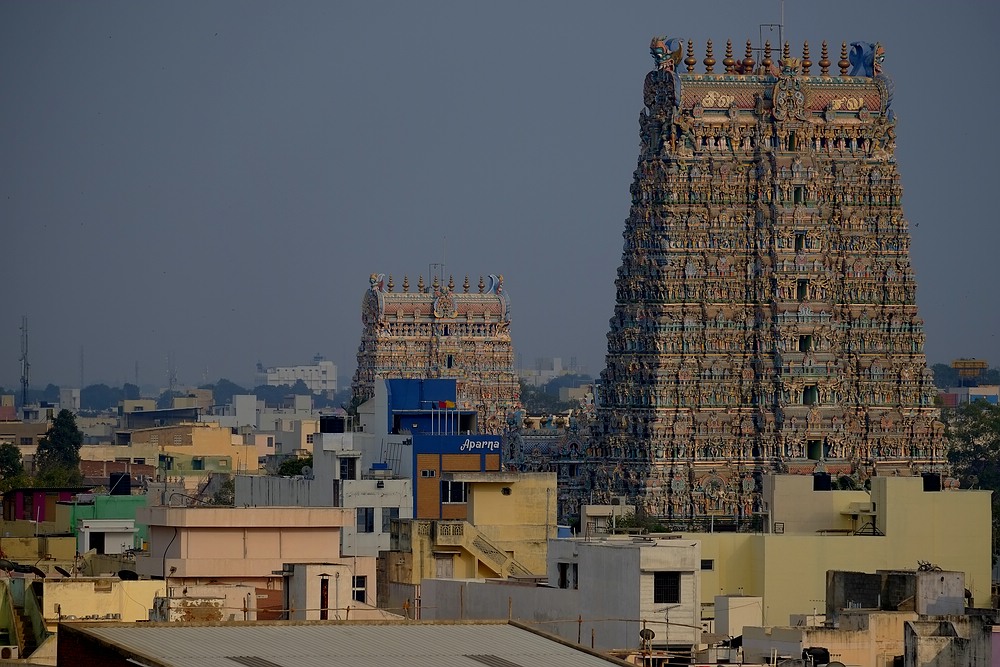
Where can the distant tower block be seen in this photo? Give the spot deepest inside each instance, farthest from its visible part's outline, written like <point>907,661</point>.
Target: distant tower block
<point>969,369</point>
<point>440,332</point>
<point>765,314</point>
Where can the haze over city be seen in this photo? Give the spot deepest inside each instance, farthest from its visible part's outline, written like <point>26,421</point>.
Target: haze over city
<point>216,181</point>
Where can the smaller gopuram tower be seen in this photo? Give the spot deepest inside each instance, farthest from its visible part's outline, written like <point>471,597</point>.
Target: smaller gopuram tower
<point>441,332</point>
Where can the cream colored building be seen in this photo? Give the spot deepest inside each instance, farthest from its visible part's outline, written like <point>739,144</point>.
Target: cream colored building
<point>894,527</point>
<point>238,545</point>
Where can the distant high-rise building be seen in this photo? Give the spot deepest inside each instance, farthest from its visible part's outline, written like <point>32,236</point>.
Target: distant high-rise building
<point>320,376</point>
<point>440,332</point>
<point>765,316</point>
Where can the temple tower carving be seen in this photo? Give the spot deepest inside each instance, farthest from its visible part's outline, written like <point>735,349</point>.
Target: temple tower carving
<point>765,314</point>
<point>441,332</point>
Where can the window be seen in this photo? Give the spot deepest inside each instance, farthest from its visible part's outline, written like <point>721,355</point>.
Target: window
<point>388,514</point>
<point>797,194</point>
<point>139,461</point>
<point>26,441</point>
<point>802,289</point>
<point>707,564</point>
<point>563,574</point>
<point>270,442</point>
<point>814,449</point>
<point>451,361</point>
<point>178,439</point>
<point>428,473</point>
<point>359,588</point>
<point>453,492</point>
<point>810,395</point>
<point>309,438</point>
<point>805,343</point>
<point>800,241</point>
<point>348,468</point>
<point>666,587</point>
<point>366,519</point>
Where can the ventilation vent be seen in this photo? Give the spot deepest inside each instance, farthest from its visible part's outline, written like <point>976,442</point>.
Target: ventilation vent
<point>493,660</point>
<point>252,661</point>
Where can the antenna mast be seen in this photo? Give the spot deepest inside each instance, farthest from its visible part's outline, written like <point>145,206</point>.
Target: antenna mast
<point>25,366</point>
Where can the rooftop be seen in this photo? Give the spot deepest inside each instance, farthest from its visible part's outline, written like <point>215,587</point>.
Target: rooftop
<point>334,644</point>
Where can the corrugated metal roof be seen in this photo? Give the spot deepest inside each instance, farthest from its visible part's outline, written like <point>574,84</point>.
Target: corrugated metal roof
<point>343,644</point>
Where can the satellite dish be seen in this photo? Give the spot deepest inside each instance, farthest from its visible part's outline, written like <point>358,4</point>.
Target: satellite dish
<point>307,472</point>
<point>646,634</point>
<point>7,565</point>
<point>835,663</point>
<point>128,575</point>
<point>38,573</point>
<point>62,571</point>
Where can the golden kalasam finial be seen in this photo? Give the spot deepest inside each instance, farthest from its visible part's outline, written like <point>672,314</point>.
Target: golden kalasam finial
<point>844,62</point>
<point>406,283</point>
<point>451,283</point>
<point>435,284</point>
<point>482,285</point>
<point>465,285</point>
<point>690,61</point>
<point>766,63</point>
<point>806,63</point>
<point>391,284</point>
<point>748,61</point>
<point>420,283</point>
<point>824,61</point>
<point>728,62</point>
<point>709,58</point>
<point>786,51</point>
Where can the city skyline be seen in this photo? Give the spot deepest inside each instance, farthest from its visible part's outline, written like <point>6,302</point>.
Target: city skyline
<point>217,182</point>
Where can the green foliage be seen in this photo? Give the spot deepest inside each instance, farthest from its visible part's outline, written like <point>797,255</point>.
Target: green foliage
<point>11,467</point>
<point>131,392</point>
<point>100,397</point>
<point>569,380</point>
<point>973,432</point>
<point>226,495</point>
<point>57,459</point>
<point>293,467</point>
<point>634,523</point>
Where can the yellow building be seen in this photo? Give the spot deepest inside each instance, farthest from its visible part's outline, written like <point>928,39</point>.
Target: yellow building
<point>510,518</point>
<point>896,526</point>
<point>197,448</point>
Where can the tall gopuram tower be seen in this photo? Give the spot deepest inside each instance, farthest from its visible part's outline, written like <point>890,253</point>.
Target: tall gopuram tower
<point>765,317</point>
<point>439,332</point>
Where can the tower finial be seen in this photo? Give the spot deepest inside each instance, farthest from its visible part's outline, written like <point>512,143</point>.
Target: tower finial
<point>748,61</point>
<point>806,63</point>
<point>709,58</point>
<point>786,51</point>
<point>420,283</point>
<point>766,63</point>
<point>406,283</point>
<point>824,61</point>
<point>465,285</point>
<point>844,62</point>
<point>729,62</point>
<point>391,284</point>
<point>690,61</point>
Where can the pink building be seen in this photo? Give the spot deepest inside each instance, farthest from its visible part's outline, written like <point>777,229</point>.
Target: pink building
<point>244,545</point>
<point>37,503</point>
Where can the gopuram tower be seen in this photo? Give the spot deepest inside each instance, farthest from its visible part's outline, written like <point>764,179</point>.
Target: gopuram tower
<point>765,316</point>
<point>441,332</point>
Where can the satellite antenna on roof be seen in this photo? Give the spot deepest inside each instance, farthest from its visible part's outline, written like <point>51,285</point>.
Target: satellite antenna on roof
<point>307,472</point>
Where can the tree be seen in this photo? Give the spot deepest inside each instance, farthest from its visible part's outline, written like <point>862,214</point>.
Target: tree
<point>99,397</point>
<point>973,431</point>
<point>293,467</point>
<point>57,459</point>
<point>224,390</point>
<point>11,468</point>
<point>131,392</point>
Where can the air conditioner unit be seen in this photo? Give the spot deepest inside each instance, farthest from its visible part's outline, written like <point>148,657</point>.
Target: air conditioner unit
<point>8,652</point>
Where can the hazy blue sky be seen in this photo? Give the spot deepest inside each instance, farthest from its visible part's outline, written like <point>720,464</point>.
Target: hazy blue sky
<point>217,180</point>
